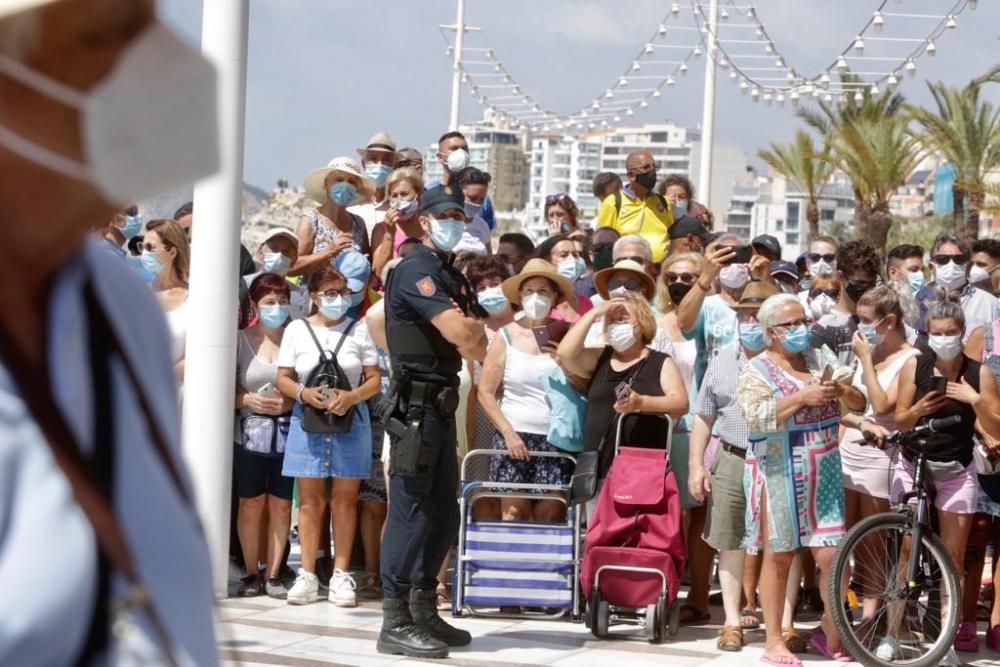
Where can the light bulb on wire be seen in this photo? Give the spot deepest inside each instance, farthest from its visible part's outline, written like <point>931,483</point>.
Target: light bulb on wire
<point>683,69</point>
<point>648,49</point>
<point>675,8</point>
<point>931,48</point>
<point>910,67</point>
<point>878,21</point>
<point>951,23</point>
<point>662,30</point>
<point>636,66</point>
<point>841,63</point>
<point>859,44</point>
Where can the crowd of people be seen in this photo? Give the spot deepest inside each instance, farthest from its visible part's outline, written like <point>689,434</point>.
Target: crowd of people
<point>781,378</point>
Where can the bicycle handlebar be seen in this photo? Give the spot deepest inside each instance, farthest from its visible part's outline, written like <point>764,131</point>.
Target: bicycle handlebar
<point>932,426</point>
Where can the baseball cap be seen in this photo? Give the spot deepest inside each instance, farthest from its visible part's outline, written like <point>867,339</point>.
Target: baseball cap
<point>783,267</point>
<point>282,232</point>
<point>355,268</point>
<point>685,225</point>
<point>442,198</point>
<point>768,243</point>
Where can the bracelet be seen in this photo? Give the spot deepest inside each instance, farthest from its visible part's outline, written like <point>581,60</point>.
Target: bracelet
<point>702,287</point>
<point>298,394</point>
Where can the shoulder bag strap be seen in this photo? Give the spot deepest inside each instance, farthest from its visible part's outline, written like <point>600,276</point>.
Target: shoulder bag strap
<point>322,353</point>
<point>343,337</point>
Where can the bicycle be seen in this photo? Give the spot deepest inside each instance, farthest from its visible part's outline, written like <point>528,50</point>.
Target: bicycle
<point>916,591</point>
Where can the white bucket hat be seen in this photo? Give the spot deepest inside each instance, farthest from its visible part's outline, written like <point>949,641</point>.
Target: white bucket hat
<point>8,7</point>
<point>315,181</point>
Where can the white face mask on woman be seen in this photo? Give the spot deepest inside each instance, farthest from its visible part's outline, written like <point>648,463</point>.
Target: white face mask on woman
<point>148,127</point>
<point>945,347</point>
<point>536,306</point>
<point>621,336</point>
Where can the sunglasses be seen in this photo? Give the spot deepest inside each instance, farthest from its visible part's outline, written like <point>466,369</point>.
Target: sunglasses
<point>687,278</point>
<point>816,257</point>
<point>559,196</point>
<point>833,293</point>
<point>943,260</point>
<point>631,284</point>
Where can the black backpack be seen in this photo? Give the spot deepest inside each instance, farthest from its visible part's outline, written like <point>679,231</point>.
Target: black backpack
<point>327,373</point>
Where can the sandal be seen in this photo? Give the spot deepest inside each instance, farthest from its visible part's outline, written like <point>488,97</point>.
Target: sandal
<point>369,588</point>
<point>781,660</point>
<point>749,619</point>
<point>443,599</point>
<point>794,641</point>
<point>691,615</point>
<point>730,639</point>
<point>818,642</point>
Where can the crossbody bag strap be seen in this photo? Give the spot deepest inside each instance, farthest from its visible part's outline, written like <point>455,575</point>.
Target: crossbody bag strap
<point>322,352</point>
<point>343,337</point>
<point>93,497</point>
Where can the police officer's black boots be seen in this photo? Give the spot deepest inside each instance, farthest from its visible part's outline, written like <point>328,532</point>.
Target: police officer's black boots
<point>401,636</point>
<point>423,608</point>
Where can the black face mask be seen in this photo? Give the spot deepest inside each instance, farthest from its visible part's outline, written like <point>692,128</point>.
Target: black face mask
<point>677,292</point>
<point>647,179</point>
<point>856,290</point>
<point>603,257</point>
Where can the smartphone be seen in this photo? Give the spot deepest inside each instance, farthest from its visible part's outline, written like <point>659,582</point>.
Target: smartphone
<point>557,330</point>
<point>741,254</point>
<point>542,336</point>
<point>268,390</point>
<point>622,391</point>
<point>939,383</point>
<point>827,374</point>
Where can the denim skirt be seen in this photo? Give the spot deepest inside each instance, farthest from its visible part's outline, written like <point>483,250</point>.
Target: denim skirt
<point>342,455</point>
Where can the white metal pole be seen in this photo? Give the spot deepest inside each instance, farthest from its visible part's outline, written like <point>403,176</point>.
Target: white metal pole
<point>210,357</point>
<point>456,75</point>
<point>708,111</point>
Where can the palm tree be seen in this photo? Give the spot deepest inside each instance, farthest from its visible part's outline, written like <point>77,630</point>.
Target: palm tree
<point>866,137</point>
<point>966,130</point>
<point>806,167</point>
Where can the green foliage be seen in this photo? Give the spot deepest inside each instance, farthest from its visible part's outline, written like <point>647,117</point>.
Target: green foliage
<point>921,231</point>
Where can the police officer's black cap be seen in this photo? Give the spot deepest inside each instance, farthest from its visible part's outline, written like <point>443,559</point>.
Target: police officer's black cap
<point>685,225</point>
<point>442,198</point>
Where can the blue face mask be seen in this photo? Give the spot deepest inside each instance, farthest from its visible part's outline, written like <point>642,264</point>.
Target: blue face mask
<point>378,173</point>
<point>273,316</point>
<point>493,300</point>
<point>334,307</point>
<point>276,262</point>
<point>472,209</point>
<point>151,262</point>
<point>343,194</point>
<point>680,208</point>
<point>752,337</point>
<point>869,332</point>
<point>357,298</point>
<point>571,268</point>
<point>406,207</point>
<point>133,225</point>
<point>797,339</point>
<point>917,280</point>
<point>446,233</point>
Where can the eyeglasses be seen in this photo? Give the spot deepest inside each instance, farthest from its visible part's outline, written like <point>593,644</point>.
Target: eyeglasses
<point>687,278</point>
<point>833,293</point>
<point>815,257</point>
<point>789,325</point>
<point>631,284</point>
<point>333,293</point>
<point>943,260</point>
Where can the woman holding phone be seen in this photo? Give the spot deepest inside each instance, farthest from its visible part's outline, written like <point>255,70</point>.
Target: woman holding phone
<point>942,383</point>
<point>519,357</point>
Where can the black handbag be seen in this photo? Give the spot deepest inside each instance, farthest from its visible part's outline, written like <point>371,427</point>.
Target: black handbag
<point>327,374</point>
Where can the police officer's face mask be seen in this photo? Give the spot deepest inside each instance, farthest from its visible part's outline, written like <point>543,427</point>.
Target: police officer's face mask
<point>445,233</point>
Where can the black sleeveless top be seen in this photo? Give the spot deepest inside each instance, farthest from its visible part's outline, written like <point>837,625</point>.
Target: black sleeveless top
<point>955,442</point>
<point>602,420</point>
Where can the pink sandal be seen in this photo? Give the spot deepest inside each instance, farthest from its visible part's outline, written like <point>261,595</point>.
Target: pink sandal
<point>967,640</point>
<point>818,642</point>
<point>993,638</point>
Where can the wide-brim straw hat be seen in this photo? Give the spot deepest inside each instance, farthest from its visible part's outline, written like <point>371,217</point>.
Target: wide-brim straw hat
<point>9,7</point>
<point>536,268</point>
<point>602,277</point>
<point>315,180</point>
<point>380,142</point>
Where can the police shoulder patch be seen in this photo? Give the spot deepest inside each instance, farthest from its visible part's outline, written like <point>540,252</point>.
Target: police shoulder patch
<point>426,286</point>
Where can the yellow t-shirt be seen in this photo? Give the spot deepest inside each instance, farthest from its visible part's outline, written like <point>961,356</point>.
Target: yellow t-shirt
<point>648,218</point>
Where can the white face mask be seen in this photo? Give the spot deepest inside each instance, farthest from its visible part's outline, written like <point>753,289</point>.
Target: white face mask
<point>536,306</point>
<point>149,126</point>
<point>457,160</point>
<point>946,347</point>
<point>621,336</point>
<point>978,274</point>
<point>734,276</point>
<point>821,305</point>
<point>822,268</point>
<point>951,276</point>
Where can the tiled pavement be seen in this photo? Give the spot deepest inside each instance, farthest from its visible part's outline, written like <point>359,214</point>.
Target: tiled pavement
<point>269,632</point>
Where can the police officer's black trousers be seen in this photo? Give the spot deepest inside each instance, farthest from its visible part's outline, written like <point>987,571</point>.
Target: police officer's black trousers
<point>423,513</point>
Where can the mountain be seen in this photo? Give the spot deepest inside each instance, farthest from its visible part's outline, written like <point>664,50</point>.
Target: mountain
<point>164,205</point>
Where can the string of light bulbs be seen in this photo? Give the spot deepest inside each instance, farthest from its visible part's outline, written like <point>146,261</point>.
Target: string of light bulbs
<point>793,84</point>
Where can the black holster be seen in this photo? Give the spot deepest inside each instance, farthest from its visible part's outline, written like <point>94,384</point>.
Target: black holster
<point>411,454</point>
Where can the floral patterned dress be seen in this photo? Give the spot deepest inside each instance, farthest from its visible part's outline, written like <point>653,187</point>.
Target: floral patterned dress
<point>796,462</point>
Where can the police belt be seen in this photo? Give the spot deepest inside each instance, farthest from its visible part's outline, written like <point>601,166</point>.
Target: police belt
<point>441,397</point>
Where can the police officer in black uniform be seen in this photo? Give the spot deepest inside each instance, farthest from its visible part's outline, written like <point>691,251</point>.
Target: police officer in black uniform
<point>431,325</point>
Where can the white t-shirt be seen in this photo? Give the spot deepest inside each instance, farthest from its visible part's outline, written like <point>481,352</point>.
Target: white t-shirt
<point>475,238</point>
<point>298,350</point>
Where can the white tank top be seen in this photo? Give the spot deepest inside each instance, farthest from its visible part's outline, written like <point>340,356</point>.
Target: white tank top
<point>523,403</point>
<point>177,320</point>
<point>886,378</point>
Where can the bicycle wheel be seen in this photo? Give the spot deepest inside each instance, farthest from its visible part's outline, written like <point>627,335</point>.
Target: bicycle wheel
<point>907,623</point>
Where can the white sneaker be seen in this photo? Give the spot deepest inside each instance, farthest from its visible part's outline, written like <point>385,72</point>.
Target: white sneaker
<point>950,658</point>
<point>342,588</point>
<point>888,649</point>
<point>305,589</point>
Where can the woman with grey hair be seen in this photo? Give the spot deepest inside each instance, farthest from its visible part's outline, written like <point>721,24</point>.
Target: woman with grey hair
<point>942,383</point>
<point>793,409</point>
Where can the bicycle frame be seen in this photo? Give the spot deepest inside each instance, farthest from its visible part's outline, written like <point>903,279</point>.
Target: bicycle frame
<point>919,517</point>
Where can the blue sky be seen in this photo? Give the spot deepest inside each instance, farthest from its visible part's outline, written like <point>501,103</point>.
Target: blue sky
<point>324,75</point>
